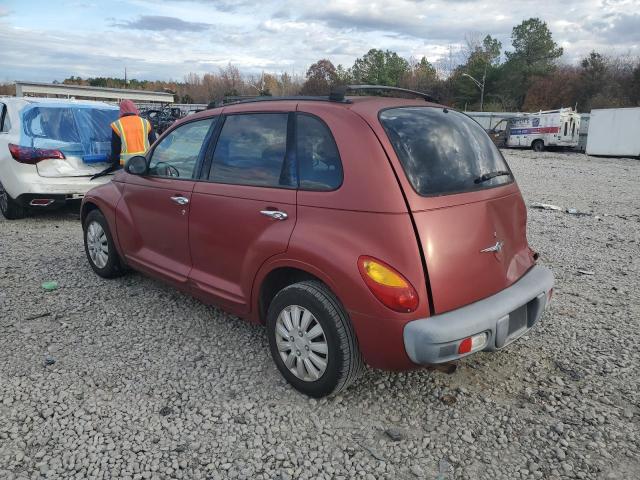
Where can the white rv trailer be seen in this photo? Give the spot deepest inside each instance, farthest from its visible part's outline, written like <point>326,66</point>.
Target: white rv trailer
<point>551,128</point>
<point>614,132</point>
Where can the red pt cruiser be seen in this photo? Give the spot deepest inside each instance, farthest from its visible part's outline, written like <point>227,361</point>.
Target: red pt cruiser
<point>372,230</point>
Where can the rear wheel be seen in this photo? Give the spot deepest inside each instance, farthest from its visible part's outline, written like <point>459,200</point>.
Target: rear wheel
<point>312,341</point>
<point>537,146</point>
<point>99,247</point>
<point>11,209</point>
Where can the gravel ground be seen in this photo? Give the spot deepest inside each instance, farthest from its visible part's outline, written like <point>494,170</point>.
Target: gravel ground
<point>130,379</point>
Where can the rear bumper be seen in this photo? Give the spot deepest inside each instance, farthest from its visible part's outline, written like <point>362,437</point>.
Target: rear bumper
<point>45,200</point>
<point>504,317</point>
<point>25,188</point>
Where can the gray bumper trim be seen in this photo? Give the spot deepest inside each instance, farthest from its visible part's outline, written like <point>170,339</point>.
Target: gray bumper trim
<point>435,339</point>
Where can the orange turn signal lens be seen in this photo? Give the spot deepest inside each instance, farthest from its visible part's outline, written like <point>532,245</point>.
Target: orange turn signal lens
<point>388,285</point>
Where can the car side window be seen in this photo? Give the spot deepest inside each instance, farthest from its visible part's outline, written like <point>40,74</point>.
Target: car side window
<point>252,150</point>
<point>177,154</point>
<point>319,164</point>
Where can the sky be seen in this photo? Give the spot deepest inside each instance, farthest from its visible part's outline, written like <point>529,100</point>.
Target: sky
<point>50,40</point>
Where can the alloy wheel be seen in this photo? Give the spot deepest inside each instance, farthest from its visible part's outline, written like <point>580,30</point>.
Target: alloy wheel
<point>302,343</point>
<point>97,244</point>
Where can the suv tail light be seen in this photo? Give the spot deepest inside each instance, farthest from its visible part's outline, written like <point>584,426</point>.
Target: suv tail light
<point>33,155</point>
<point>388,285</point>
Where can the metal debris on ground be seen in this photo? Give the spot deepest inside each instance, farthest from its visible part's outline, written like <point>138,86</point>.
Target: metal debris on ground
<point>586,272</point>
<point>545,206</point>
<point>575,211</point>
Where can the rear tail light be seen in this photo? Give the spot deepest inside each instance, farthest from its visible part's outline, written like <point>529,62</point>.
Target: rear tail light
<point>549,295</point>
<point>33,155</point>
<point>388,285</point>
<point>472,344</point>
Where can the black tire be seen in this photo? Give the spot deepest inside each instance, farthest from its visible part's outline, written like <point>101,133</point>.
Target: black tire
<point>343,358</point>
<point>11,210</point>
<point>113,266</point>
<point>537,146</point>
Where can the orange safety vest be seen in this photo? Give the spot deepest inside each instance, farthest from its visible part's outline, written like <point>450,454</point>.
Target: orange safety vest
<point>134,136</point>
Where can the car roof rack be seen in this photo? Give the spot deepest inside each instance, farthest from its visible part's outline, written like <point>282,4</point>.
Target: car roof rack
<point>295,98</point>
<point>338,93</point>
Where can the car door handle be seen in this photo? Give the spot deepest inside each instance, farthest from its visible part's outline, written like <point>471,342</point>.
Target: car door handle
<point>275,214</point>
<point>180,200</point>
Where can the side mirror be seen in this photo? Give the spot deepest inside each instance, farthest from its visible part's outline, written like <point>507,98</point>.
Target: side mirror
<point>136,165</point>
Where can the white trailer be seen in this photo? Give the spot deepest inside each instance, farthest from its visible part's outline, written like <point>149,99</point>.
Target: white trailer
<point>551,128</point>
<point>614,132</point>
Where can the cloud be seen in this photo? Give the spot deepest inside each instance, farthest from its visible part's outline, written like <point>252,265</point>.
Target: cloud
<point>618,28</point>
<point>183,36</point>
<point>4,11</point>
<point>161,23</point>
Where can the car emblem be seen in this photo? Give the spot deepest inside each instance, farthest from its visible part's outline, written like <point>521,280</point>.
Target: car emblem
<point>494,248</point>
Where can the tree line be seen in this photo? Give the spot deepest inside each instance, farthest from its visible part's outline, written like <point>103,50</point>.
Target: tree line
<point>528,76</point>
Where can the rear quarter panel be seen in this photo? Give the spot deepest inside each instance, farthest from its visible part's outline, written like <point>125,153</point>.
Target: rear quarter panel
<point>367,215</point>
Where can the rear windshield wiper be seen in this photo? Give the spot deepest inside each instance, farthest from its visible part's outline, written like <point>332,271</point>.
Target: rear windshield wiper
<point>106,171</point>
<point>488,176</point>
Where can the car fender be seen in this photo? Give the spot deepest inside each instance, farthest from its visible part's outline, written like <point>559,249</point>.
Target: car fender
<point>106,198</point>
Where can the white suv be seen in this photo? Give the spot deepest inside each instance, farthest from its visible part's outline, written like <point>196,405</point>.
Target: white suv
<point>50,149</point>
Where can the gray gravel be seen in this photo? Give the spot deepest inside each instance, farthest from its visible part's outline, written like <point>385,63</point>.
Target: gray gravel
<point>131,379</point>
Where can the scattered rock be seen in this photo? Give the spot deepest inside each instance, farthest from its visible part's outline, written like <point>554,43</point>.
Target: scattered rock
<point>395,434</point>
<point>165,411</point>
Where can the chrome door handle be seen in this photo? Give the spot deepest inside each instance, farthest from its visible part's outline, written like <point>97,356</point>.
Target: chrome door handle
<point>275,214</point>
<point>180,200</point>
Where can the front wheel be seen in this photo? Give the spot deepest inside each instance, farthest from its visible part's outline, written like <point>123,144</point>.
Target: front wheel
<point>99,246</point>
<point>311,339</point>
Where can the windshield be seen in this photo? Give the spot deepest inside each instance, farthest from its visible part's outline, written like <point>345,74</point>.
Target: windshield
<point>443,151</point>
<point>76,130</point>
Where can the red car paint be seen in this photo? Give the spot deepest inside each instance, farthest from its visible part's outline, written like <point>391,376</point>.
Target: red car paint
<point>221,250</point>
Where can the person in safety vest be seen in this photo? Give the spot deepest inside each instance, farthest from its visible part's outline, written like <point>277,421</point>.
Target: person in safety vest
<point>131,134</point>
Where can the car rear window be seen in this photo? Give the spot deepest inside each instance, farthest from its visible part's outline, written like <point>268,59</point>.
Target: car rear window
<point>76,130</point>
<point>443,151</point>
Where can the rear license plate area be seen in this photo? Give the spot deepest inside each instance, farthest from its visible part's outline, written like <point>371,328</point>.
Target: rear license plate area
<point>517,321</point>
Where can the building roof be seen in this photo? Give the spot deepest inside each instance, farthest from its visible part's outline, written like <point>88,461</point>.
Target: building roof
<point>83,91</point>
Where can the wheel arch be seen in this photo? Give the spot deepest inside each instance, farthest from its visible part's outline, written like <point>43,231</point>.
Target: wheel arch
<point>87,207</point>
<point>277,275</point>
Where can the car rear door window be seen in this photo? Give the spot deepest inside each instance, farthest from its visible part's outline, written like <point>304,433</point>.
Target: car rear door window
<point>252,150</point>
<point>178,153</point>
<point>443,151</point>
<point>318,159</point>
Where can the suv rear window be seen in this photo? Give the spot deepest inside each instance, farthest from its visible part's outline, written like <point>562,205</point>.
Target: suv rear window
<point>443,151</point>
<point>74,129</point>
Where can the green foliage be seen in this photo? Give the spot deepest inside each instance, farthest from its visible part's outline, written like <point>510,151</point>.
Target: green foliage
<point>534,54</point>
<point>483,65</point>
<point>492,49</point>
<point>634,90</point>
<point>534,46</point>
<point>378,67</point>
